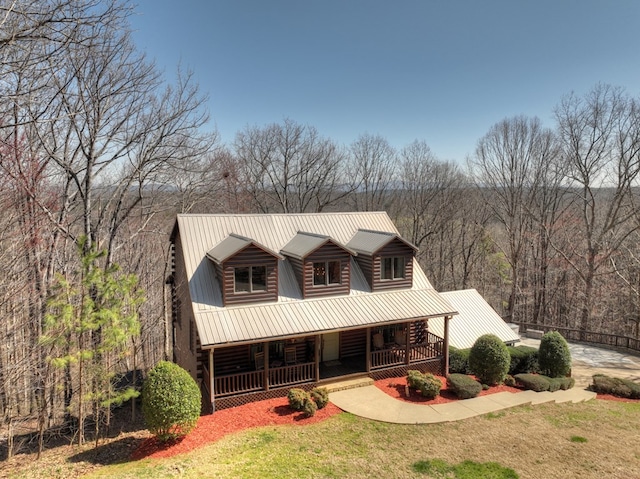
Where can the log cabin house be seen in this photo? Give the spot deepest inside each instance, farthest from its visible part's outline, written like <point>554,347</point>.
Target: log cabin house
<point>265,302</point>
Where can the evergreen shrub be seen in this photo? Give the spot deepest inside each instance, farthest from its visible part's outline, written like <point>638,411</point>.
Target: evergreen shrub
<point>554,356</point>
<point>615,386</point>
<point>459,360</point>
<point>171,401</point>
<point>464,387</point>
<point>489,359</point>
<point>428,385</point>
<point>297,397</point>
<point>524,359</point>
<point>320,396</point>
<point>533,382</point>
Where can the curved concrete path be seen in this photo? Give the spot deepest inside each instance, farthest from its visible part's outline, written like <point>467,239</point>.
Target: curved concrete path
<point>370,402</point>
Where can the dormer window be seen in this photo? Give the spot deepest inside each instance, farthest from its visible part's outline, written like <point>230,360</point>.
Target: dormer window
<point>392,267</point>
<point>248,279</point>
<point>326,272</point>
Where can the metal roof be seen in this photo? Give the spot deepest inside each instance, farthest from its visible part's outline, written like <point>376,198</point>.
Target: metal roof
<point>291,315</point>
<point>231,245</point>
<point>370,242</point>
<point>303,244</point>
<point>286,319</point>
<point>475,318</point>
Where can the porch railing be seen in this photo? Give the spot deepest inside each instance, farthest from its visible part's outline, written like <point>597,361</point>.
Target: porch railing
<point>254,380</point>
<point>388,357</point>
<point>239,383</point>
<point>396,355</point>
<point>297,373</point>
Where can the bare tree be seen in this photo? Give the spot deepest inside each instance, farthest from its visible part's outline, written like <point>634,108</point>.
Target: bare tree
<point>290,168</point>
<point>373,170</point>
<point>600,135</point>
<point>509,162</point>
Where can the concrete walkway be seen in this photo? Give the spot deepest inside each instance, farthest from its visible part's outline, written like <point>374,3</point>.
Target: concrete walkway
<point>370,402</point>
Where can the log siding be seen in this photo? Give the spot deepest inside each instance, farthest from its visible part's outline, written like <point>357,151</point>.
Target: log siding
<point>250,256</point>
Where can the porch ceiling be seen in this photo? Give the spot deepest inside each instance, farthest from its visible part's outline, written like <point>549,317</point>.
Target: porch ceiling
<point>259,322</point>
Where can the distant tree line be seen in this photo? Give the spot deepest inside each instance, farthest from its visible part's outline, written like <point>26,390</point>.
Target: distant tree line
<point>99,152</point>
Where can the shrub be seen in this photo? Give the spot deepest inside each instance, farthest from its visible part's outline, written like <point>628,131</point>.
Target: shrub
<point>428,385</point>
<point>320,396</point>
<point>459,360</point>
<point>464,386</point>
<point>562,383</point>
<point>309,406</point>
<point>170,401</point>
<point>489,359</point>
<point>524,359</point>
<point>534,382</point>
<point>615,386</point>
<point>509,380</point>
<point>297,397</point>
<point>554,356</point>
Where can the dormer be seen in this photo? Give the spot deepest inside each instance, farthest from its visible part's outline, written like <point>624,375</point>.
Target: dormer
<point>386,259</point>
<point>247,271</point>
<point>321,264</point>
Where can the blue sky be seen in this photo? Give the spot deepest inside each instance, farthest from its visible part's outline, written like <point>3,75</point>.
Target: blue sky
<point>443,71</point>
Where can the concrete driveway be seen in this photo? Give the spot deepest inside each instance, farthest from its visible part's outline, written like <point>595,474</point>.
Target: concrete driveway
<point>589,360</point>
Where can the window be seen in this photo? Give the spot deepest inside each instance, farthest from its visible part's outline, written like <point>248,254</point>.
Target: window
<point>326,272</point>
<point>248,279</point>
<point>392,267</point>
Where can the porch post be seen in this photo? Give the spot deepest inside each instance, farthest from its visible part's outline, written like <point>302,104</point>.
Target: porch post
<point>446,345</point>
<point>368,351</point>
<point>407,335</point>
<point>316,358</point>
<point>265,381</point>
<point>212,382</point>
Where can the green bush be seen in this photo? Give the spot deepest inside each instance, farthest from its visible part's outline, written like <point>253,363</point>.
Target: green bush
<point>463,386</point>
<point>297,397</point>
<point>554,356</point>
<point>428,385</point>
<point>524,359</point>
<point>489,359</point>
<point>171,401</point>
<point>309,406</point>
<point>320,396</point>
<point>459,360</point>
<point>509,380</point>
<point>615,386</point>
<point>562,383</point>
<point>534,382</point>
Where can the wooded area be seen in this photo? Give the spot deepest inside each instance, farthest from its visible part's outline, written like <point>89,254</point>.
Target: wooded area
<point>99,152</point>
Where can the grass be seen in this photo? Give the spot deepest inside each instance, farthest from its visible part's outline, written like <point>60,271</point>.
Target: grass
<point>522,442</point>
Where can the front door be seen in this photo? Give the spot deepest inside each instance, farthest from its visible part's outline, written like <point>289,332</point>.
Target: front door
<point>330,346</point>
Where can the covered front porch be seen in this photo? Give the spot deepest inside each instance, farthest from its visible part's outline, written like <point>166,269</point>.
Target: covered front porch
<point>312,359</point>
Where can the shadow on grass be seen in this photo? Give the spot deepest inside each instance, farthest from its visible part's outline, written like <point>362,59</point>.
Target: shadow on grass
<point>114,452</point>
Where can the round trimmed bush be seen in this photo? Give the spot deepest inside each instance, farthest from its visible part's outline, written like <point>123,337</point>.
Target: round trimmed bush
<point>170,401</point>
<point>297,397</point>
<point>554,356</point>
<point>465,387</point>
<point>489,359</point>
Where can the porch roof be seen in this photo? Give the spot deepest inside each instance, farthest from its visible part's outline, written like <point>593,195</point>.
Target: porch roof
<point>286,319</point>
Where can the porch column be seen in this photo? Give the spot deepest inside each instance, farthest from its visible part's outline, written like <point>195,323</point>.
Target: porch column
<point>446,345</point>
<point>317,356</point>
<point>368,351</point>
<point>407,335</point>
<point>212,382</point>
<point>265,380</point>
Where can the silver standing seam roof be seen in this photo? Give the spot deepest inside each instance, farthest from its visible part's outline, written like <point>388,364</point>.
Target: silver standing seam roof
<point>303,243</point>
<point>291,315</point>
<point>370,242</point>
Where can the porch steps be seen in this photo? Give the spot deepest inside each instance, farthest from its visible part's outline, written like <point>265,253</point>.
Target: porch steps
<point>350,383</point>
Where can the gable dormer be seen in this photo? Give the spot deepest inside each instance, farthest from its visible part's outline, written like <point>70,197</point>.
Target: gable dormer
<point>322,265</point>
<point>386,259</point>
<point>246,270</point>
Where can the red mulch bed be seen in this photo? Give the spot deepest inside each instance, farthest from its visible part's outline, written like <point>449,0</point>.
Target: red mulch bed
<point>214,426</point>
<point>610,397</point>
<point>273,412</point>
<point>395,387</point>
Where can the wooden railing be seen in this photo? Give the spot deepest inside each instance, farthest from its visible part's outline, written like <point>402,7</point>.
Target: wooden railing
<point>239,383</point>
<point>571,334</point>
<point>297,373</point>
<point>388,357</point>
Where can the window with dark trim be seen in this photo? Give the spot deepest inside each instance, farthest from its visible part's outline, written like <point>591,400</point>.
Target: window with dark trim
<point>248,279</point>
<point>326,272</point>
<point>392,267</point>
